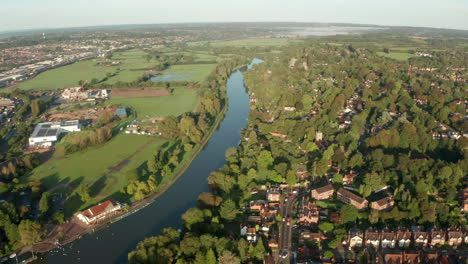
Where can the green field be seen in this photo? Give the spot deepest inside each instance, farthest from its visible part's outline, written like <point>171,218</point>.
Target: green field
<point>182,100</point>
<point>258,42</point>
<point>92,166</point>
<point>402,56</point>
<point>67,76</point>
<point>132,66</point>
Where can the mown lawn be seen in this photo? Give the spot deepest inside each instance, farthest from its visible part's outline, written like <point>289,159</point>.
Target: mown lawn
<point>93,167</point>
<point>181,101</point>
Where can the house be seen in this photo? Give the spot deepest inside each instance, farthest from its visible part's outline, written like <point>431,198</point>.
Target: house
<point>273,243</point>
<point>322,193</point>
<point>372,237</point>
<point>121,112</point>
<point>355,238</point>
<point>411,257</point>
<point>383,203</point>
<point>420,238</point>
<point>455,236</point>
<point>257,205</point>
<point>318,136</point>
<point>99,212</point>
<point>348,178</point>
<point>302,174</point>
<point>308,212</point>
<point>465,200</point>
<point>388,238</point>
<point>350,198</point>
<point>335,217</point>
<point>273,194</point>
<point>403,237</point>
<point>310,236</point>
<point>46,134</point>
<point>437,236</point>
<point>243,230</point>
<point>251,235</point>
<point>394,258</point>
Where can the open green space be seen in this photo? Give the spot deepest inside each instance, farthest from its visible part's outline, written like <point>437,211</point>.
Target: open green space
<point>257,42</point>
<point>182,100</point>
<point>93,166</point>
<point>133,65</point>
<point>67,76</point>
<point>402,56</point>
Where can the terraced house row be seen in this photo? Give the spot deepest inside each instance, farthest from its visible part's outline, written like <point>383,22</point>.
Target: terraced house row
<point>415,237</point>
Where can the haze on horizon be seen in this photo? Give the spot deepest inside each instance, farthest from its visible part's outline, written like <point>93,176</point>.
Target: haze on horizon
<point>34,14</point>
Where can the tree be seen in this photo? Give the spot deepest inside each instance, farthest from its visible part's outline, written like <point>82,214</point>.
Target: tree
<point>193,216</point>
<point>259,251</point>
<point>228,258</point>
<point>291,178</point>
<point>243,248</point>
<point>349,213</point>
<point>326,226</point>
<point>265,159</point>
<point>210,257</point>
<point>30,232</point>
<point>44,203</point>
<point>228,210</point>
<point>328,254</point>
<point>83,192</point>
<point>169,127</point>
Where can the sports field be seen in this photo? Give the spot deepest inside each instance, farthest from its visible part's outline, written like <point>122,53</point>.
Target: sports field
<point>94,166</point>
<point>182,100</point>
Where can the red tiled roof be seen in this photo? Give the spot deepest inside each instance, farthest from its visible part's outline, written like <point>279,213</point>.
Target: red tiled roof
<point>97,209</point>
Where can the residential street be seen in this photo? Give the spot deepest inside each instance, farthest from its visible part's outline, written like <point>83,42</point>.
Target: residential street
<point>287,207</point>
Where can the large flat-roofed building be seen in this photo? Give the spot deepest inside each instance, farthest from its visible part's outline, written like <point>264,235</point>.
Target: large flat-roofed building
<point>45,134</point>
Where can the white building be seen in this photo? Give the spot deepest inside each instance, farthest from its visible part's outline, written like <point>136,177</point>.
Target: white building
<point>45,134</point>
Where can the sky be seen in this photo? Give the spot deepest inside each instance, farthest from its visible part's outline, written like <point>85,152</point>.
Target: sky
<point>33,14</point>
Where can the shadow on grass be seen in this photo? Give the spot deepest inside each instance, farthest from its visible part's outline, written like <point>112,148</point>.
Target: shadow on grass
<point>98,186</point>
<point>72,204</point>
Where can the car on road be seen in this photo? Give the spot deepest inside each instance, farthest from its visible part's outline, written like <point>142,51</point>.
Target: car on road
<point>284,254</point>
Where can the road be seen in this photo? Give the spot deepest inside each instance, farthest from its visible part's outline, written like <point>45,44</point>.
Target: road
<point>286,211</point>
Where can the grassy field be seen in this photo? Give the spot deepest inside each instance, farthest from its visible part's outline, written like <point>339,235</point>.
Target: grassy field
<point>132,66</point>
<point>402,56</point>
<point>181,101</point>
<point>67,76</point>
<point>243,43</point>
<point>92,167</point>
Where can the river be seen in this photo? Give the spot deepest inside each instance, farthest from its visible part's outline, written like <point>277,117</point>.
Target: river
<point>112,244</point>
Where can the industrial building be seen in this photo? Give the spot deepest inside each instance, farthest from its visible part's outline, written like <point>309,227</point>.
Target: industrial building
<point>46,134</point>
